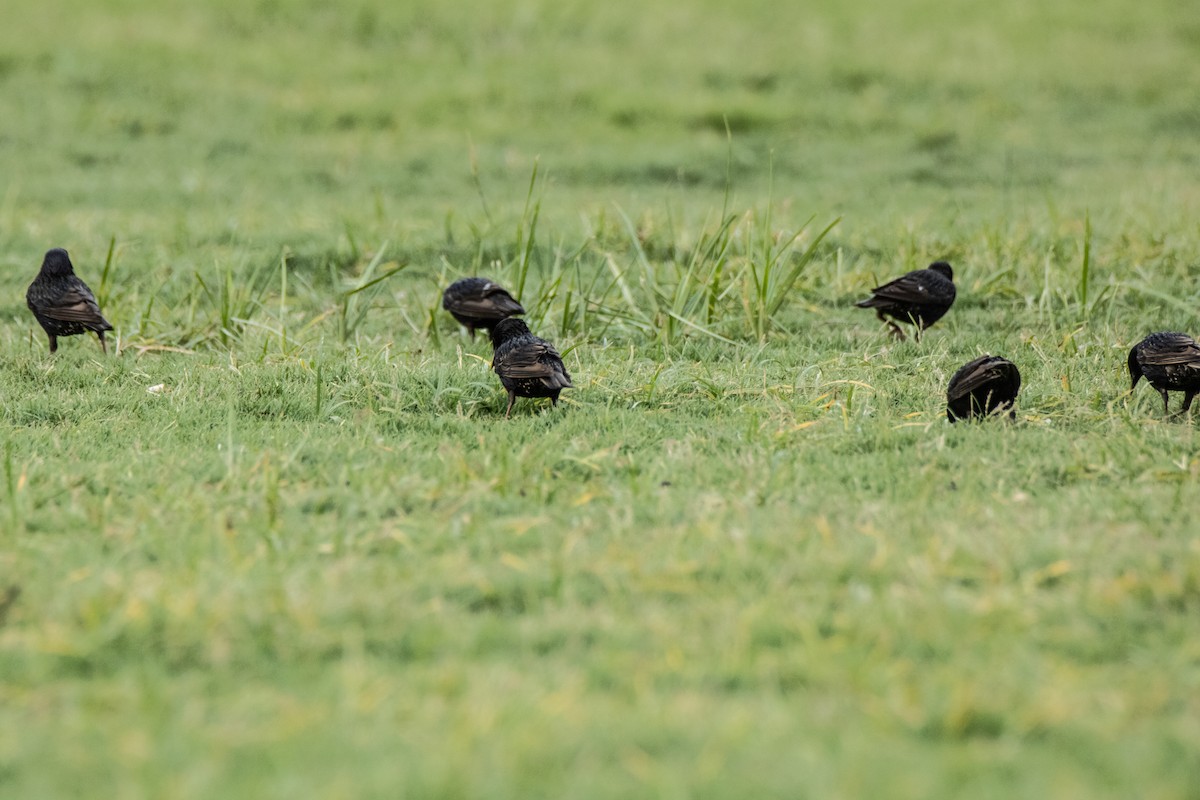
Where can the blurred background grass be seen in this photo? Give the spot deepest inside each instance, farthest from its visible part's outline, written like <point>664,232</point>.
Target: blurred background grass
<point>258,120</point>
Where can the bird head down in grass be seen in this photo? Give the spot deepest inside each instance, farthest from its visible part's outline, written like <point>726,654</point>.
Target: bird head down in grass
<point>62,303</point>
<point>479,303</point>
<point>527,366</point>
<point>1169,362</point>
<point>982,386</point>
<point>920,298</point>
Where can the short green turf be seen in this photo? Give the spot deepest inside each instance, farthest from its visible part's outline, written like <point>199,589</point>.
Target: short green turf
<point>282,543</point>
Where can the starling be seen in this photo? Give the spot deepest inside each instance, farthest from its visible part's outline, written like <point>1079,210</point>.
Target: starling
<point>1169,362</point>
<point>920,297</point>
<point>527,366</point>
<point>982,386</point>
<point>479,303</point>
<point>63,304</point>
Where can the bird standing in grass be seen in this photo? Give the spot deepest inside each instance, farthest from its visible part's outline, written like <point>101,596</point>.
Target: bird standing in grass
<point>527,366</point>
<point>479,303</point>
<point>62,303</point>
<point>920,297</point>
<point>982,386</point>
<point>1168,362</point>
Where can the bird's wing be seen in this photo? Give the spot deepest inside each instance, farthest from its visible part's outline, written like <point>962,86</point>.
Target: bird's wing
<point>977,374</point>
<point>537,360</point>
<point>500,294</point>
<point>910,288</point>
<point>1170,351</point>
<point>494,301</point>
<point>75,304</point>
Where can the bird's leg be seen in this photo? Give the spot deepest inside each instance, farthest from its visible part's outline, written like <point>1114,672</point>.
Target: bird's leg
<point>1165,401</point>
<point>103,346</point>
<point>512,398</point>
<point>1188,397</point>
<point>471,330</point>
<point>895,329</point>
<point>53,343</point>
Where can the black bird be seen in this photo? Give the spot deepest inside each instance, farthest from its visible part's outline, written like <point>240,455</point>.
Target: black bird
<point>479,303</point>
<point>527,366</point>
<point>920,297</point>
<point>63,304</point>
<point>1169,362</point>
<point>982,386</point>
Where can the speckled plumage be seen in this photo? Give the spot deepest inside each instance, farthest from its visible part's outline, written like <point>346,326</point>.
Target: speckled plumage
<point>1169,362</point>
<point>527,366</point>
<point>982,386</point>
<point>920,297</point>
<point>479,303</point>
<point>62,303</point>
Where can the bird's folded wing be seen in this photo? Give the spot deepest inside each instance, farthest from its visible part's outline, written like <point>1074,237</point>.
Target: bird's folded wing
<point>502,300</point>
<point>76,304</point>
<point>906,289</point>
<point>976,379</point>
<point>540,361</point>
<point>499,302</point>
<point>1176,350</point>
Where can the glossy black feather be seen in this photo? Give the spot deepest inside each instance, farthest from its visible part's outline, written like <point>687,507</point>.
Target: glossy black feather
<point>479,303</point>
<point>527,366</point>
<point>920,297</point>
<point>1168,361</point>
<point>63,304</point>
<point>982,386</point>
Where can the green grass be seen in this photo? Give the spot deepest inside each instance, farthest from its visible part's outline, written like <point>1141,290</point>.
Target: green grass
<point>282,543</point>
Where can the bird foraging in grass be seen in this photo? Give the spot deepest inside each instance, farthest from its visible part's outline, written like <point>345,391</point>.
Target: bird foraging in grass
<point>982,386</point>
<point>527,366</point>
<point>62,303</point>
<point>920,298</point>
<point>1168,362</point>
<point>479,303</point>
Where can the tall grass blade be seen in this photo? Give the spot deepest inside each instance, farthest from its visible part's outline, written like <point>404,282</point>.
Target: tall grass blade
<point>102,293</point>
<point>527,232</point>
<point>1086,266</point>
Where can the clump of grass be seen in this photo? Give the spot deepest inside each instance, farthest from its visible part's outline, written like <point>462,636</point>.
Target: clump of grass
<point>233,300</point>
<point>774,267</point>
<point>672,298</point>
<point>355,303</point>
<point>725,286</point>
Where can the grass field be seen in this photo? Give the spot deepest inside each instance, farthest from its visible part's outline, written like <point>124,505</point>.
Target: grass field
<point>282,543</point>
